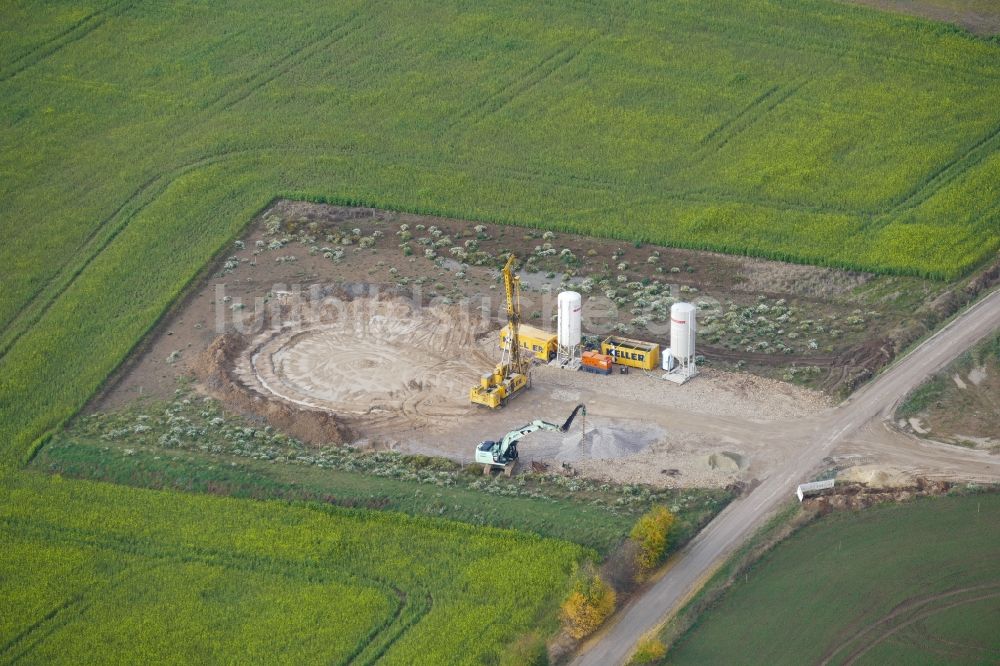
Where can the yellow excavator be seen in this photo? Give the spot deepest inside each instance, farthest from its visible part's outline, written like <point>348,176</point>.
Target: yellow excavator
<point>511,374</point>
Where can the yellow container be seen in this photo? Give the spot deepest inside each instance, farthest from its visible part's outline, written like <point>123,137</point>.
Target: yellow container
<point>633,353</point>
<point>540,344</point>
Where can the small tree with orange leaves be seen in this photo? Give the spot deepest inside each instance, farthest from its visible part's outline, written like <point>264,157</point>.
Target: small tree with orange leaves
<point>588,605</point>
<point>650,533</point>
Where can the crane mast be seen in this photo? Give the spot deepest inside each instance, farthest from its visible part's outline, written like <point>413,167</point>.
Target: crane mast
<point>511,374</point>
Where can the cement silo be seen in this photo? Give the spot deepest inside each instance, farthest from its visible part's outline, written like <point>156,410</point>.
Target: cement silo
<point>683,327</point>
<point>570,314</point>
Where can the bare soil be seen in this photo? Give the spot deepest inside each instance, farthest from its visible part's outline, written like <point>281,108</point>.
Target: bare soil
<point>368,326</point>
<point>963,406</point>
<point>980,17</point>
<point>819,327</point>
<point>397,376</point>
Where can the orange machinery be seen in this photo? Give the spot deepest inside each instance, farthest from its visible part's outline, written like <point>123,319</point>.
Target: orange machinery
<point>596,362</point>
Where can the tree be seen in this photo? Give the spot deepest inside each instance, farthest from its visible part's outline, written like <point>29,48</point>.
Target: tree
<point>588,605</point>
<point>650,533</point>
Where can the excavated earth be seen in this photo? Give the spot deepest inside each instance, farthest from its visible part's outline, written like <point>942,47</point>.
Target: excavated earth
<point>371,363</point>
<point>397,375</point>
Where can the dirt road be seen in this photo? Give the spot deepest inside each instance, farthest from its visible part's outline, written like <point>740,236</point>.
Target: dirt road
<point>853,425</point>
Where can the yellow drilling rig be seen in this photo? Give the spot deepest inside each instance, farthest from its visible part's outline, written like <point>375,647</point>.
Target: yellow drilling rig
<point>511,374</point>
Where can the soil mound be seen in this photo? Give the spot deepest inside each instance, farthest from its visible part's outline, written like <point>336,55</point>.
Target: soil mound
<point>309,425</point>
<point>875,476</point>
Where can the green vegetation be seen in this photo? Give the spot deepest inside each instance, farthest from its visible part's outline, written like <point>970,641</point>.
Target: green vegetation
<point>140,138</point>
<point>94,571</point>
<point>189,444</point>
<point>871,584</point>
<point>650,650</point>
<point>923,396</point>
<point>794,129</point>
<point>650,534</point>
<point>588,605</point>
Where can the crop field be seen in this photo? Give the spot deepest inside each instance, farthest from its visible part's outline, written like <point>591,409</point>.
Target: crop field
<point>870,588</point>
<point>138,139</point>
<point>810,131</point>
<point>94,571</point>
<point>789,130</point>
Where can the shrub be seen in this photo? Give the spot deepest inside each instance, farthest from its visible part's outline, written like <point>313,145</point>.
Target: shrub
<point>588,605</point>
<point>529,650</point>
<point>650,649</point>
<point>650,533</point>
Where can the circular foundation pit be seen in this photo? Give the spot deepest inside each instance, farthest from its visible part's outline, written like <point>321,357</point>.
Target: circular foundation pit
<point>368,356</point>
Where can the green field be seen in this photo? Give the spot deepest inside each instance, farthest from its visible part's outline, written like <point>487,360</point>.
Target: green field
<point>139,139</point>
<point>93,572</point>
<point>916,583</point>
<point>810,131</point>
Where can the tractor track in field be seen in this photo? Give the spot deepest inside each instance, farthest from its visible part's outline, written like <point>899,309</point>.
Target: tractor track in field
<point>96,242</point>
<point>158,554</point>
<point>908,612</point>
<point>949,172</point>
<point>53,45</point>
<point>746,118</point>
<point>376,647</point>
<point>61,614</point>
<point>289,61</point>
<point>749,108</point>
<point>523,80</point>
<point>506,96</point>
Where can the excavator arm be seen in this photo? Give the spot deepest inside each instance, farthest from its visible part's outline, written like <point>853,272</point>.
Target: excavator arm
<point>505,450</point>
<point>569,421</point>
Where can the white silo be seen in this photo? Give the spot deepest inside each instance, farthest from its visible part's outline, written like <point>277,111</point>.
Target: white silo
<point>683,327</point>
<point>570,313</point>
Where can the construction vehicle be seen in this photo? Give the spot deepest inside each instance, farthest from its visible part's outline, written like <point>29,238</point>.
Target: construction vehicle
<point>511,374</point>
<point>503,454</point>
<point>535,341</point>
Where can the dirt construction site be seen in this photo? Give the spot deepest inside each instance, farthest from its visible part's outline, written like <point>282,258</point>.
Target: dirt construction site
<point>346,338</point>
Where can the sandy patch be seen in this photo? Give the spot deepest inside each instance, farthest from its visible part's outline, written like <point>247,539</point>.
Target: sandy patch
<point>876,477</point>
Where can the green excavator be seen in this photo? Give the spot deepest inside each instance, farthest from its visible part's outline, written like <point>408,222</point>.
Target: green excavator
<point>502,454</point>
